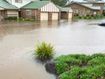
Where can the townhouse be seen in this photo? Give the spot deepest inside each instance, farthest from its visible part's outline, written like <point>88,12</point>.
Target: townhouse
<point>7,10</point>
<point>87,8</point>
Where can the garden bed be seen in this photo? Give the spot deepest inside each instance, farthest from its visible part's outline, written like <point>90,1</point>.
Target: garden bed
<point>78,67</point>
<point>89,17</point>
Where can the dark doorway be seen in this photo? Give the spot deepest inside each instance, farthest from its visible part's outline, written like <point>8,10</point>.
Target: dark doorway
<point>64,15</point>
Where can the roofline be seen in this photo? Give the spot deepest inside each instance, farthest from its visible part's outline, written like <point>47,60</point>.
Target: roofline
<point>2,7</point>
<point>16,8</point>
<point>47,3</point>
<point>91,2</point>
<point>81,5</point>
<point>85,2</point>
<point>12,4</point>
<point>8,8</point>
<point>31,2</point>
<point>60,8</point>
<point>25,5</point>
<point>27,9</point>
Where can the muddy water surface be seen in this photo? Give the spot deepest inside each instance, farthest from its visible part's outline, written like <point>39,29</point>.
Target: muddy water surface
<point>18,40</point>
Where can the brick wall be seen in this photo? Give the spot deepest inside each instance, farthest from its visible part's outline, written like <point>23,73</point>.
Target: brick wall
<point>34,14</point>
<point>81,10</point>
<point>2,15</point>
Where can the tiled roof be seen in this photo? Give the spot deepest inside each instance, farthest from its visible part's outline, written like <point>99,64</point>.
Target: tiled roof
<point>92,2</point>
<point>65,9</point>
<point>85,2</point>
<point>35,5</point>
<point>92,7</point>
<point>4,4</point>
<point>88,5</point>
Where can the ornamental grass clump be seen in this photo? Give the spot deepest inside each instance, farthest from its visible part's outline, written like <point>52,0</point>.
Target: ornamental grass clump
<point>44,51</point>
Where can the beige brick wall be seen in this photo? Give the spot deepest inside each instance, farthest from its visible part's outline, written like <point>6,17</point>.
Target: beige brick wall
<point>33,14</point>
<point>82,11</point>
<point>2,14</point>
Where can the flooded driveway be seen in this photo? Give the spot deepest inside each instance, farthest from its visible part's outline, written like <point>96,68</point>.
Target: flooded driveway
<point>18,40</point>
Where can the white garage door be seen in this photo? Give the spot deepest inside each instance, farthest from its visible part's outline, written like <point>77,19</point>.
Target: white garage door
<point>55,16</point>
<point>12,13</point>
<point>70,16</point>
<point>44,16</point>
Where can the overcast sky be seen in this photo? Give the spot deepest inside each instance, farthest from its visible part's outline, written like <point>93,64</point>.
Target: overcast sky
<point>80,0</point>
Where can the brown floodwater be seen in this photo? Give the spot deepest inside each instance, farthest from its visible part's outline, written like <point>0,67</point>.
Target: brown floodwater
<point>18,41</point>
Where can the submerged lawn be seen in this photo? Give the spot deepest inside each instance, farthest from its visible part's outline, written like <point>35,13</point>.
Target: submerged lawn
<point>81,66</point>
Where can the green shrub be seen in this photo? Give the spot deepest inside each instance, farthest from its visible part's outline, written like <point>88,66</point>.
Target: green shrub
<point>84,17</point>
<point>69,60</point>
<point>44,51</point>
<point>28,19</point>
<point>64,63</point>
<point>71,74</point>
<point>21,19</point>
<point>61,67</point>
<point>96,72</point>
<point>97,61</point>
<point>90,17</point>
<point>81,66</point>
<point>74,59</point>
<point>11,18</point>
<point>97,55</point>
<point>79,17</point>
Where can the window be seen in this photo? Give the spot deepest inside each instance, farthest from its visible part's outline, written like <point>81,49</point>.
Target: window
<point>94,13</point>
<point>18,1</point>
<point>76,11</point>
<point>28,12</point>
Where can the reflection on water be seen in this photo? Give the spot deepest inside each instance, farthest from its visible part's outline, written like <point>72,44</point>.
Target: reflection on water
<point>17,40</point>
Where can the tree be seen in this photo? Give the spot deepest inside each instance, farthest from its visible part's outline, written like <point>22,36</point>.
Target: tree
<point>58,2</point>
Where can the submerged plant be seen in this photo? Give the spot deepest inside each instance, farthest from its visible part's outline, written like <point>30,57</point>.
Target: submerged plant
<point>44,51</point>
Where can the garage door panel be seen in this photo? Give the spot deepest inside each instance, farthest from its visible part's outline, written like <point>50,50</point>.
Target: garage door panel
<point>70,15</point>
<point>55,16</point>
<point>44,16</point>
